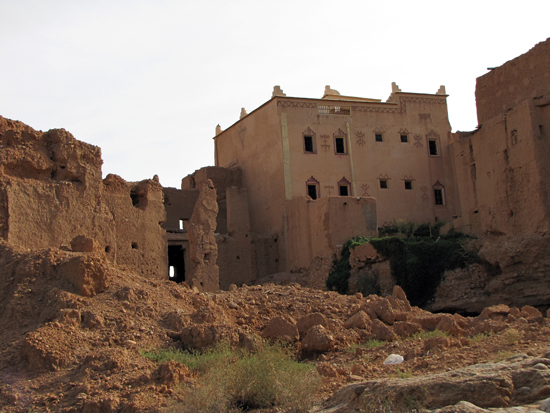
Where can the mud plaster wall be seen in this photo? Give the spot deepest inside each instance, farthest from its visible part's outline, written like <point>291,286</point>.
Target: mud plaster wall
<point>52,191</point>
<point>503,188</point>
<point>522,78</point>
<point>319,228</point>
<point>179,204</point>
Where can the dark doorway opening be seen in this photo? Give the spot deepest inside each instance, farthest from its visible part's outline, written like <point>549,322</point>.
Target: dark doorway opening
<point>176,263</point>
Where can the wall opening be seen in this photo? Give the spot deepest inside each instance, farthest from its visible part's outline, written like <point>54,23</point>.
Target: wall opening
<point>176,263</point>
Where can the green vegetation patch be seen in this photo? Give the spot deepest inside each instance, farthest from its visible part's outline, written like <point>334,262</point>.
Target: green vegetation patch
<point>233,380</point>
<point>417,263</point>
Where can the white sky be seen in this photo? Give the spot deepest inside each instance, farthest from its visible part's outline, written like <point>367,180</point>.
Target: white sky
<point>149,80</point>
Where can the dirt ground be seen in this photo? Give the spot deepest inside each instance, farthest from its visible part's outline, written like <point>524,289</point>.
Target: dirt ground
<point>64,352</point>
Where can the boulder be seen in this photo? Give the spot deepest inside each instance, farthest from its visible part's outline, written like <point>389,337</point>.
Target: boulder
<point>359,320</point>
<point>318,339</point>
<point>310,320</point>
<point>380,331</point>
<point>406,329</point>
<point>280,329</point>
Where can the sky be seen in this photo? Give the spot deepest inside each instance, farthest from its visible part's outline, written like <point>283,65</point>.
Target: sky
<point>149,80</point>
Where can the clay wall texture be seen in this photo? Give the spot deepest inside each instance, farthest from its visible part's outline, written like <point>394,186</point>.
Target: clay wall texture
<point>525,77</point>
<point>319,228</point>
<point>52,192</point>
<point>179,205</point>
<point>502,169</point>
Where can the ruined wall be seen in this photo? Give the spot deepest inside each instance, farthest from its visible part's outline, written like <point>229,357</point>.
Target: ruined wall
<point>179,204</point>
<point>203,250</point>
<point>319,228</point>
<point>138,212</point>
<point>522,78</point>
<point>52,192</point>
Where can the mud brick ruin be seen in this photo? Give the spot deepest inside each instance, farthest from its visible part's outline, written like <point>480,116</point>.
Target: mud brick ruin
<point>293,181</point>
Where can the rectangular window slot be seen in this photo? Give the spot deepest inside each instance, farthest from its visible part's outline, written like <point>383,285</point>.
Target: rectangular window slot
<point>404,138</point>
<point>333,110</point>
<point>308,144</point>
<point>432,143</point>
<point>312,191</point>
<point>383,184</point>
<point>340,146</point>
<point>408,185</point>
<point>438,194</point>
<point>378,137</point>
<point>344,190</point>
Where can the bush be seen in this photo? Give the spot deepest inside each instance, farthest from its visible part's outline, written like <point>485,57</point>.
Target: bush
<point>238,379</point>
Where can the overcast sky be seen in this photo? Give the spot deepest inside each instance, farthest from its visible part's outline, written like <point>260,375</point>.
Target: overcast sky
<point>149,80</point>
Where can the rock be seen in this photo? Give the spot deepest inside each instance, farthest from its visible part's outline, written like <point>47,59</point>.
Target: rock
<point>176,320</point>
<point>380,331</point>
<point>449,325</point>
<point>359,320</point>
<point>81,243</point>
<point>326,370</point>
<point>91,320</point>
<point>527,311</point>
<point>318,339</point>
<point>406,329</point>
<point>428,322</point>
<point>202,336</point>
<point>384,311</point>
<point>310,320</point>
<point>394,359</point>
<point>281,329</point>
<point>399,294</point>
<point>88,274</point>
<point>171,373</point>
<point>462,407</point>
<point>545,405</point>
<point>494,311</point>
<point>436,343</point>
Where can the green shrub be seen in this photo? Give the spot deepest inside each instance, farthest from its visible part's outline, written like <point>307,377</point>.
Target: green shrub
<point>238,379</point>
<point>339,276</point>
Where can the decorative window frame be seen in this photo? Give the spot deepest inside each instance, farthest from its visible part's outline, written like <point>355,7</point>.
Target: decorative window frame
<point>313,182</point>
<point>404,132</point>
<point>309,132</point>
<point>433,136</point>
<point>344,183</point>
<point>439,187</point>
<point>384,178</point>
<point>340,134</point>
<point>379,131</point>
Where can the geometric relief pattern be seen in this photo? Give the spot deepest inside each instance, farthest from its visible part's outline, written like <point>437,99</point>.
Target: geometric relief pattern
<point>418,144</point>
<point>402,105</point>
<point>408,178</point>
<point>291,104</point>
<point>329,189</point>
<point>383,176</point>
<point>242,135</point>
<point>425,195</point>
<point>360,135</point>
<point>325,145</point>
<point>365,188</point>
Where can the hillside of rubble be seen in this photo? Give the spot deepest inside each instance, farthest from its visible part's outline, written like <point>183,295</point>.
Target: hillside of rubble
<point>74,328</point>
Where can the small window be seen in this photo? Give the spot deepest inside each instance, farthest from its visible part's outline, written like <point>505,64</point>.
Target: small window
<point>432,144</point>
<point>378,137</point>
<point>383,184</point>
<point>438,195</point>
<point>312,191</point>
<point>339,145</point>
<point>308,144</point>
<point>344,190</point>
<point>404,138</point>
<point>408,184</point>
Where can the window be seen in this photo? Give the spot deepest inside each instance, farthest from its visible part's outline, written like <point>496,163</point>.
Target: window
<point>309,141</point>
<point>432,145</point>
<point>383,184</point>
<point>344,190</point>
<point>408,184</point>
<point>339,145</point>
<point>404,138</point>
<point>312,188</point>
<point>344,187</point>
<point>378,137</point>
<point>312,191</point>
<point>438,195</point>
<point>308,144</point>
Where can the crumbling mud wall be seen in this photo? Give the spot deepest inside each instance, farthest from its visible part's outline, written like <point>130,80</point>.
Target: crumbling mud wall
<point>525,77</point>
<point>202,241</point>
<point>51,192</point>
